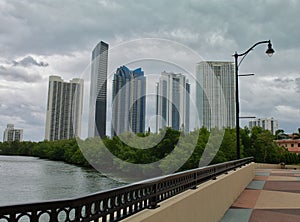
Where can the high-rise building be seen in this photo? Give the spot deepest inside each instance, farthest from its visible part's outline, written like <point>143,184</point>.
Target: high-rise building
<point>215,94</point>
<point>98,91</point>
<point>64,108</point>
<point>266,123</point>
<point>129,101</point>
<point>11,134</point>
<point>173,102</point>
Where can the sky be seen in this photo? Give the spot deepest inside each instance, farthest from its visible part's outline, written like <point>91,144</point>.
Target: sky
<point>42,38</point>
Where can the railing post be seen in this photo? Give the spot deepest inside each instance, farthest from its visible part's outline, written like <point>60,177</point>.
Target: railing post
<point>13,217</point>
<point>195,181</point>
<point>215,174</point>
<point>226,169</point>
<point>34,217</point>
<point>53,215</point>
<point>154,199</point>
<point>77,213</point>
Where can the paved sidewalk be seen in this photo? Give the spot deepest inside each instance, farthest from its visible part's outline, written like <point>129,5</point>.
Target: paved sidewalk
<point>272,196</point>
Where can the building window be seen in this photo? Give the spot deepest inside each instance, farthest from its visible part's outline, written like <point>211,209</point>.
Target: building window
<point>292,145</point>
<point>298,144</point>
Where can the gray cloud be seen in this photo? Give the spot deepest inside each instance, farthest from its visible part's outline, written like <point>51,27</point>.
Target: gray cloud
<point>283,80</point>
<point>29,61</point>
<point>24,105</point>
<point>272,97</point>
<point>67,26</point>
<point>19,75</point>
<point>284,83</point>
<point>65,32</point>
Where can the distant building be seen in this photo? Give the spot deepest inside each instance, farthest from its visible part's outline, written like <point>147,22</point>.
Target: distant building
<point>291,145</point>
<point>129,101</point>
<point>64,108</point>
<point>215,94</point>
<point>98,91</point>
<point>173,102</point>
<point>267,124</point>
<point>11,134</point>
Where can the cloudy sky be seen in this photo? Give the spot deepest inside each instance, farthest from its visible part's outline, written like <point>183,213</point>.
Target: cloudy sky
<point>51,37</point>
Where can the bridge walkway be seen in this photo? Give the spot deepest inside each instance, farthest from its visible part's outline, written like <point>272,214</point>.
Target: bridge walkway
<point>272,196</point>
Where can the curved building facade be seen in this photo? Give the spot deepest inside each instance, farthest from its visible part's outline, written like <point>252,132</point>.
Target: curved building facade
<point>129,101</point>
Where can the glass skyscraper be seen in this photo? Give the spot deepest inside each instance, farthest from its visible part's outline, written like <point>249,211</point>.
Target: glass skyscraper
<point>215,94</point>
<point>129,101</point>
<point>173,102</point>
<point>98,91</point>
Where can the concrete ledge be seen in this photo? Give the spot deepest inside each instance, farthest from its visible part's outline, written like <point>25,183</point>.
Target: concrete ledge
<point>267,166</point>
<point>207,203</point>
<point>275,166</point>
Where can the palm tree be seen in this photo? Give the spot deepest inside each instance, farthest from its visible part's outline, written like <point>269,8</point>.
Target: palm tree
<point>296,135</point>
<point>280,135</point>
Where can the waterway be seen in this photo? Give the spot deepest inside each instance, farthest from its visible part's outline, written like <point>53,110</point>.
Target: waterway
<point>30,179</point>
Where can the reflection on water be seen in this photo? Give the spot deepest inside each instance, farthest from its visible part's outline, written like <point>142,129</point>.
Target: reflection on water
<point>29,179</point>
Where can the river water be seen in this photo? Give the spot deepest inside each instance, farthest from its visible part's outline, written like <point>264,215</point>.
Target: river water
<point>29,179</point>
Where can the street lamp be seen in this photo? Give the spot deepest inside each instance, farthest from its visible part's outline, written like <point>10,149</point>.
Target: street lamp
<point>270,52</point>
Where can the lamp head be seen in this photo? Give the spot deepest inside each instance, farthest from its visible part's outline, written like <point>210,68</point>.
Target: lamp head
<point>270,50</point>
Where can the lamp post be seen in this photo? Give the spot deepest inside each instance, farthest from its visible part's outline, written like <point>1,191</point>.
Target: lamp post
<point>270,52</point>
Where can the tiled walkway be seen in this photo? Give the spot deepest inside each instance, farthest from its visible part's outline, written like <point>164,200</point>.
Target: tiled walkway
<point>272,196</point>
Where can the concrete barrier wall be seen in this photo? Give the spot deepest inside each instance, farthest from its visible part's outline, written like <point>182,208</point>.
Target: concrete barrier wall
<point>207,203</point>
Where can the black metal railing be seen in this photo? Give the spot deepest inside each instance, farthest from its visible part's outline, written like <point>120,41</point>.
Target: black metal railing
<point>119,203</point>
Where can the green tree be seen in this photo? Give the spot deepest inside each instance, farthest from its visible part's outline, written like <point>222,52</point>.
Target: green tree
<point>265,149</point>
